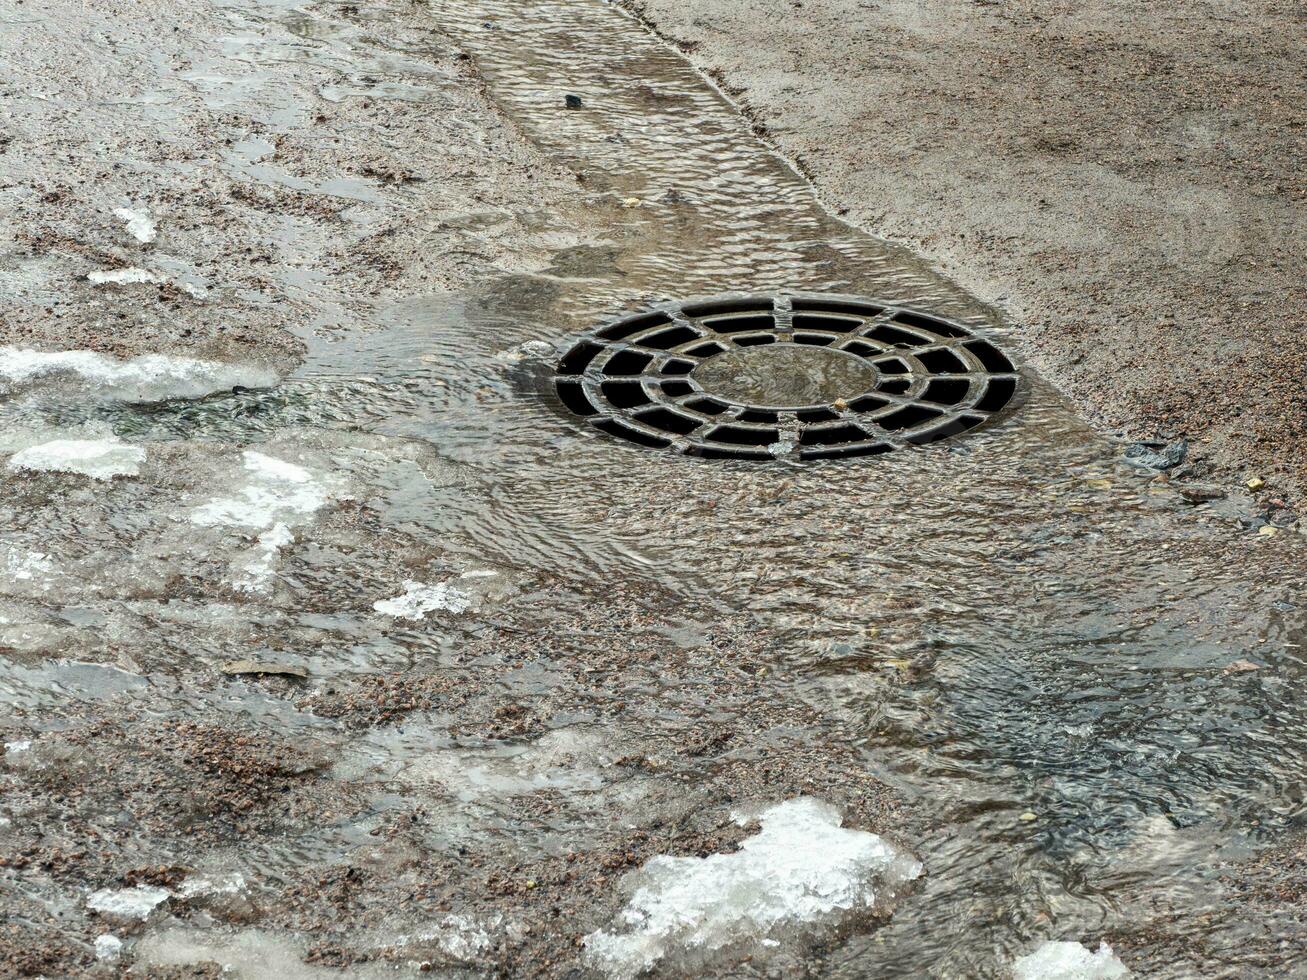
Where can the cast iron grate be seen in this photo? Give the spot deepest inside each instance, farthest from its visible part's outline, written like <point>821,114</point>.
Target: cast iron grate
<point>763,377</point>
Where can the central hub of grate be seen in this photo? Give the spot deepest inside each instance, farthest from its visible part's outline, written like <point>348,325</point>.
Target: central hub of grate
<point>806,375</point>
<point>783,375</point>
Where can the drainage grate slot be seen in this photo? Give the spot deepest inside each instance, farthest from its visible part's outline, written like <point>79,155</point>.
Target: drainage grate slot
<point>868,404</point>
<point>625,328</point>
<point>947,391</point>
<point>816,415</point>
<point>704,405</point>
<point>740,436</point>
<point>942,362</point>
<point>935,326</point>
<point>838,324</point>
<point>835,435</point>
<point>669,421</point>
<point>731,361</point>
<point>573,396</point>
<point>741,324</point>
<point>624,394</point>
<point>706,350</point>
<point>907,417</point>
<point>998,394</point>
<point>578,358</point>
<point>991,357</point>
<point>854,307</point>
<point>814,339</point>
<point>677,389</point>
<point>627,362</point>
<point>667,339</point>
<point>895,337</point>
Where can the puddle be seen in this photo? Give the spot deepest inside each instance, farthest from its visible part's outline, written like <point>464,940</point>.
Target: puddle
<point>1022,636</point>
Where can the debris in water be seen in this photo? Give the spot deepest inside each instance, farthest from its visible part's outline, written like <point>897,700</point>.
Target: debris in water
<point>127,903</point>
<point>263,667</point>
<point>1157,455</point>
<point>1256,483</point>
<point>100,459</point>
<point>419,599</point>
<point>148,378</point>
<point>1240,666</point>
<point>573,101</point>
<point>1069,961</point>
<point>122,277</point>
<point>801,870</point>
<point>139,224</point>
<point>630,202</point>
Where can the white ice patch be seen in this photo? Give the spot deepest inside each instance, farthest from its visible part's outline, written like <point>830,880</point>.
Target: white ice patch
<point>223,884</point>
<point>1069,961</point>
<point>277,495</point>
<point>801,870</point>
<point>419,599</point>
<point>254,576</point>
<point>108,947</point>
<point>127,903</point>
<point>148,378</point>
<point>28,566</point>
<point>122,277</point>
<point>139,223</point>
<point>459,936</point>
<point>100,459</point>
<point>275,492</point>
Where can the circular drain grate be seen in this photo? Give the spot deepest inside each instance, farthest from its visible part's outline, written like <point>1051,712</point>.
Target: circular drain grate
<point>762,377</point>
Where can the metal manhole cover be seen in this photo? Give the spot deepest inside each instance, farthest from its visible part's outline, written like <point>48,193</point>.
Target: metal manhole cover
<point>806,375</point>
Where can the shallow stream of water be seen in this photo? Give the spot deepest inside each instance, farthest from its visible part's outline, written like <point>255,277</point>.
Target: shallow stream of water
<point>1073,750</point>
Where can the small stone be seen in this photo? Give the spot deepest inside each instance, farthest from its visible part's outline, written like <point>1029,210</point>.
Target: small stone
<point>1156,455</point>
<point>1197,493</point>
<point>572,101</point>
<point>1268,531</point>
<point>1240,666</point>
<point>1256,483</point>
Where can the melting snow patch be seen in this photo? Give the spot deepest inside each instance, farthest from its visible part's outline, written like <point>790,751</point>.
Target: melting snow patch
<point>100,459</point>
<point>148,378</point>
<point>419,599</point>
<point>259,568</point>
<point>139,223</point>
<point>275,492</point>
<point>29,566</point>
<point>108,947</point>
<point>800,871</point>
<point>122,277</point>
<point>1069,961</point>
<point>459,936</point>
<point>129,903</point>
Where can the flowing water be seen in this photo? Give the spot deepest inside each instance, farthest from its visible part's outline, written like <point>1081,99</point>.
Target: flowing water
<point>1067,738</point>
